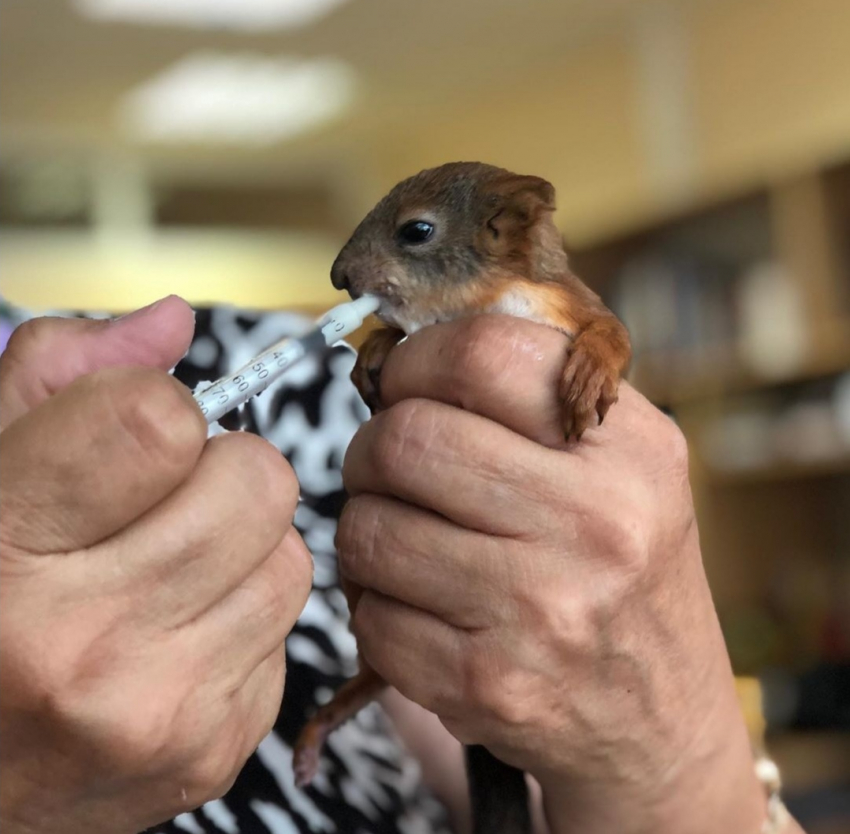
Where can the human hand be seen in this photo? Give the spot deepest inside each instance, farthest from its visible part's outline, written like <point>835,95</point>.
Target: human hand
<point>543,599</point>
<point>149,578</point>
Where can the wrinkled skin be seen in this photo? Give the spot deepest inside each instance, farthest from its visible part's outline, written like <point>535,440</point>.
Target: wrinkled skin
<point>544,598</point>
<point>149,578</point>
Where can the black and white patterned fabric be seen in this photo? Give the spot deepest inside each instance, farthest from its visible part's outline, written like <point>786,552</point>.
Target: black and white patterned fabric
<point>367,783</point>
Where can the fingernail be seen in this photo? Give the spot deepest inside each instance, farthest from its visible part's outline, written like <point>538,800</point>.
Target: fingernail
<point>142,311</point>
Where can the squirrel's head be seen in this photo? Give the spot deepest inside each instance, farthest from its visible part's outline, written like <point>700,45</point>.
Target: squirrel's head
<point>447,226</point>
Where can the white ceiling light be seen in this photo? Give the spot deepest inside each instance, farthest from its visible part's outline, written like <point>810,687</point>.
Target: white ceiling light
<point>241,99</point>
<point>247,15</point>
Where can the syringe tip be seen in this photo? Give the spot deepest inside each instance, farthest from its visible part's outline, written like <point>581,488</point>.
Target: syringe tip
<point>366,305</point>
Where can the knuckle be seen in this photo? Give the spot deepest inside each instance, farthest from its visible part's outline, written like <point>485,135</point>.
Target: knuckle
<point>677,444</point>
<point>666,442</point>
<point>36,680</point>
<point>267,486</point>
<point>298,580</point>
<point>483,690</point>
<point>27,339</point>
<point>402,439</point>
<point>627,541</point>
<point>272,596</point>
<point>673,443</point>
<point>478,352</point>
<point>131,740</point>
<point>139,741</point>
<point>210,775</point>
<point>357,536</point>
<point>155,411</point>
<point>267,602</point>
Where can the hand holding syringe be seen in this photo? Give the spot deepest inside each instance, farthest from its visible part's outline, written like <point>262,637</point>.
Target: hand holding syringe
<point>259,373</point>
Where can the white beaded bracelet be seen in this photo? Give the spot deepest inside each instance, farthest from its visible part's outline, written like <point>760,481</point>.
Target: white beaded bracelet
<point>777,813</point>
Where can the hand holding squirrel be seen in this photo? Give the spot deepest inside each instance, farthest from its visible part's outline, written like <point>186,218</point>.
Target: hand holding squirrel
<point>516,584</point>
<point>545,599</point>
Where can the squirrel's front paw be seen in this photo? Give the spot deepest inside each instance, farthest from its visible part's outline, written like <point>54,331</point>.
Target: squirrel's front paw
<point>366,375</point>
<point>588,389</point>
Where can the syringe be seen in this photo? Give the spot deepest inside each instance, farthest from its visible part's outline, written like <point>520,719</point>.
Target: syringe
<point>255,376</point>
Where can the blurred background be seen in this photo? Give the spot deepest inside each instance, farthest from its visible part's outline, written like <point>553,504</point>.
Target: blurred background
<point>224,150</point>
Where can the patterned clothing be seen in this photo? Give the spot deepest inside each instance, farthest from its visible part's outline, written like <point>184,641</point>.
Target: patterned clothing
<point>367,783</point>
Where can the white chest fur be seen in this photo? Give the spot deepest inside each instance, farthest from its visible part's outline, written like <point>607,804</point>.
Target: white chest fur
<point>519,301</point>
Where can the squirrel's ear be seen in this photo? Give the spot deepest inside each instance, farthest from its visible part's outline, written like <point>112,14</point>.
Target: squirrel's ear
<point>517,203</point>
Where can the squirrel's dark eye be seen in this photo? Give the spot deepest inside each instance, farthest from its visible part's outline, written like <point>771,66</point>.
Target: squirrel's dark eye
<point>416,231</point>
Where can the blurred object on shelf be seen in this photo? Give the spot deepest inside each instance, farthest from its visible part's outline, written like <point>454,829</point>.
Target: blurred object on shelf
<point>680,312</point>
<point>754,638</point>
<point>817,698</point>
<point>779,432</point>
<point>749,691</point>
<point>774,338</point>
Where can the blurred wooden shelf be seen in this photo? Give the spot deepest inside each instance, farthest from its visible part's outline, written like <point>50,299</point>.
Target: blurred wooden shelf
<point>691,383</point>
<point>811,759</point>
<point>780,471</point>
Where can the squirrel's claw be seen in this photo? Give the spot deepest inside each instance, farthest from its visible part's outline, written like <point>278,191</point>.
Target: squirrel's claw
<point>588,389</point>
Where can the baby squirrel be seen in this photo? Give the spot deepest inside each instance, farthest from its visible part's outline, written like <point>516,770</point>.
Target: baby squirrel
<point>458,240</point>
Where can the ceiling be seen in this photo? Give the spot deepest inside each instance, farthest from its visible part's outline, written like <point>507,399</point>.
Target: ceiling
<point>62,75</point>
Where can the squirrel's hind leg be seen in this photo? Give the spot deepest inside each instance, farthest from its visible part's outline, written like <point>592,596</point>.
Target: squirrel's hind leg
<point>352,696</point>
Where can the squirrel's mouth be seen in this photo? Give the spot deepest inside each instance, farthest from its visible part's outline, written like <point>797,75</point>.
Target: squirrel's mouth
<point>387,290</point>
<point>390,309</point>
<point>395,309</point>
<point>395,312</point>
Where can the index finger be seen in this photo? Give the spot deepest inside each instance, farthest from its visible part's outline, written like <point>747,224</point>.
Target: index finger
<point>464,467</point>
<point>508,370</point>
<point>500,367</point>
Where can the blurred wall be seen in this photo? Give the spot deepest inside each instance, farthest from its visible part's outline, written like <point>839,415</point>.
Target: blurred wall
<point>682,105</point>
<point>667,106</point>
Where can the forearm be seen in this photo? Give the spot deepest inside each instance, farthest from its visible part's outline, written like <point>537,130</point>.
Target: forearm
<point>711,788</point>
<point>724,797</point>
<point>439,754</point>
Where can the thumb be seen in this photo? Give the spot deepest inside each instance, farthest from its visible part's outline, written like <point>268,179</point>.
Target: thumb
<point>46,354</point>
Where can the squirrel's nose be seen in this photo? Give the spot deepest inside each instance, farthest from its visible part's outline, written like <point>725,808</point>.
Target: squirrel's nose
<point>339,278</point>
